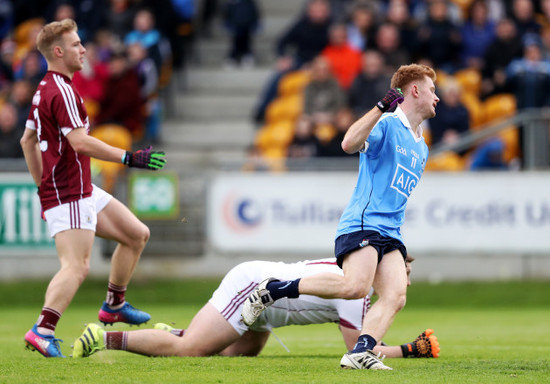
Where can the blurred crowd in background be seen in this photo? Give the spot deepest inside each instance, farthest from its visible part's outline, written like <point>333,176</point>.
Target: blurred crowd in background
<point>335,61</point>
<point>332,63</point>
<point>130,59</point>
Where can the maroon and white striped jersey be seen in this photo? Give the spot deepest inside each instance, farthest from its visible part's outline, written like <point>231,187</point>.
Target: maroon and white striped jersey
<point>56,110</point>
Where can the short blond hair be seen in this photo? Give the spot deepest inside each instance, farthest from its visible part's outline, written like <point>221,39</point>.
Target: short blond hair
<point>51,34</point>
<point>406,74</point>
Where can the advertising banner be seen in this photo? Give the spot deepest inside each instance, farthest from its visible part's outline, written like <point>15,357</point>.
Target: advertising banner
<point>299,212</point>
<point>20,223</point>
<point>154,196</point>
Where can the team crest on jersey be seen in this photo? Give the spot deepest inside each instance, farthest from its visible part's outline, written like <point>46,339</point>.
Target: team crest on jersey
<point>404,181</point>
<point>43,145</point>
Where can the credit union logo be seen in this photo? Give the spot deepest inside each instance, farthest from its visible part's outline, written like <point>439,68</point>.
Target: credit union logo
<point>241,213</point>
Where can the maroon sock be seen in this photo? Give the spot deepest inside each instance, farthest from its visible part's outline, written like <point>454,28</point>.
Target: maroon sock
<point>116,295</point>
<point>116,340</point>
<point>48,318</point>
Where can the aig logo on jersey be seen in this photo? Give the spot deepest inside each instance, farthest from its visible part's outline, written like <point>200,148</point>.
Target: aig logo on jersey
<point>404,181</point>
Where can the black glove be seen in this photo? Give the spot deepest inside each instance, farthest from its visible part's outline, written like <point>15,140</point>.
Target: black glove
<point>145,158</point>
<point>389,102</point>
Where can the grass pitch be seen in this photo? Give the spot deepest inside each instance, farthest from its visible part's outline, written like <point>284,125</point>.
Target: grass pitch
<point>489,333</point>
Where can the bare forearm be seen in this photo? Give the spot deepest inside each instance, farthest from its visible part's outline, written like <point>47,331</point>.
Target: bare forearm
<point>359,131</point>
<point>33,157</point>
<point>389,351</point>
<point>92,147</point>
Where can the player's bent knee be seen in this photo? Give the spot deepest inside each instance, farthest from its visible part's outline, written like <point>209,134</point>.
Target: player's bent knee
<point>140,237</point>
<point>396,302</point>
<point>144,234</point>
<point>352,292</point>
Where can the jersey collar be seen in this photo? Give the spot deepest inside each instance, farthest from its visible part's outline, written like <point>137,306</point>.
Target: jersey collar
<point>67,78</point>
<point>405,121</point>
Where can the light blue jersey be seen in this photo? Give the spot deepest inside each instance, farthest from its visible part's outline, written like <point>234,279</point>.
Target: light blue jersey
<point>390,167</point>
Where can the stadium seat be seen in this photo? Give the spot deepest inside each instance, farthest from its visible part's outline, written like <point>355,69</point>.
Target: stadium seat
<point>92,108</point>
<point>427,136</point>
<point>441,77</point>
<point>117,136</point>
<point>499,106</point>
<point>445,161</point>
<point>284,108</point>
<point>278,134</point>
<point>325,132</point>
<point>469,79</point>
<point>23,35</point>
<point>293,83</point>
<point>475,109</point>
<point>510,137</point>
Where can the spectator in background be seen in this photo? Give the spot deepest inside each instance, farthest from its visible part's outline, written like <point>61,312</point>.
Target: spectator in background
<point>7,50</point>
<point>389,45</point>
<point>305,144</point>
<point>452,118</point>
<point>182,32</point>
<point>87,13</point>
<point>323,97</point>
<point>501,51</point>
<point>123,103</point>
<point>307,37</point>
<point>523,15</point>
<point>64,10</point>
<point>6,18</point>
<point>92,79</point>
<point>149,87</point>
<point>398,14</point>
<point>439,37</point>
<point>488,156</point>
<point>31,68</point>
<point>529,77</point>
<point>21,98</point>
<point>477,33</point>
<point>362,25</point>
<point>147,35</point>
<point>242,19</point>
<point>370,85</point>
<point>344,60</point>
<point>10,132</point>
<point>343,120</point>
<point>107,43</point>
<point>119,18</point>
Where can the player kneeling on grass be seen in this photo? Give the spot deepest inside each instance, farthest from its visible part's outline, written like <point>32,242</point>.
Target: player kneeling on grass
<point>232,337</point>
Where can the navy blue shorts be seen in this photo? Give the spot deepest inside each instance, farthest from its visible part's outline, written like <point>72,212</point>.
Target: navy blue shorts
<point>350,242</point>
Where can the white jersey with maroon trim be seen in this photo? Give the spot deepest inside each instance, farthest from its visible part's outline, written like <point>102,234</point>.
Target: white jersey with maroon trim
<point>304,310</point>
<point>56,110</point>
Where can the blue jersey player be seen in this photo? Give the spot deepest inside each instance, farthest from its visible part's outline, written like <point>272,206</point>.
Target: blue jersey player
<point>369,247</point>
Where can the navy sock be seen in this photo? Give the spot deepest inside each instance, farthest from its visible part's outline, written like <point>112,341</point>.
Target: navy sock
<point>279,289</point>
<point>364,342</point>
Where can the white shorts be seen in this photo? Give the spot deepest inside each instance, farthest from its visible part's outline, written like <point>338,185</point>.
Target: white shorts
<point>79,214</point>
<point>234,289</point>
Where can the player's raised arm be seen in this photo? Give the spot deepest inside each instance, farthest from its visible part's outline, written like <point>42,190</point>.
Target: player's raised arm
<point>93,147</point>
<point>357,134</point>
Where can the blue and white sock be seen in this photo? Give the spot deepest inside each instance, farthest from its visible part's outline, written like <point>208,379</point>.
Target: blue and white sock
<point>364,342</point>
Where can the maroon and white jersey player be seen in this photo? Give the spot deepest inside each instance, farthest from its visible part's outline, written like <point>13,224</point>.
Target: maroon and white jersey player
<point>56,110</point>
